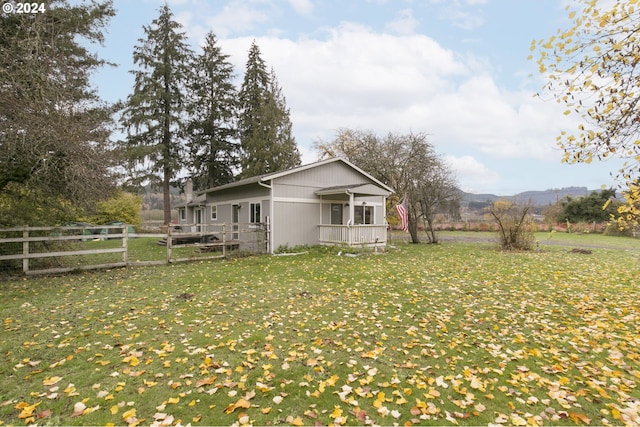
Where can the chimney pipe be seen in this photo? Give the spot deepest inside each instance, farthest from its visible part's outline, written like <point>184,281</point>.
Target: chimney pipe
<point>188,190</point>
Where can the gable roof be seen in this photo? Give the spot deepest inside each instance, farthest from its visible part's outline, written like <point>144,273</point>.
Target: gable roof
<point>274,175</point>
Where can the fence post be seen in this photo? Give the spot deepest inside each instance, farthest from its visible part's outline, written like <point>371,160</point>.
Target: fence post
<point>224,240</point>
<point>169,241</point>
<point>25,250</point>
<point>267,234</point>
<point>125,244</point>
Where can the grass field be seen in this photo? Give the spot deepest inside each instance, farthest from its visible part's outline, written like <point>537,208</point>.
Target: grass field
<point>457,333</point>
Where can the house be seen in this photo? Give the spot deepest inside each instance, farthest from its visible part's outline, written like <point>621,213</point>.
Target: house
<point>328,202</point>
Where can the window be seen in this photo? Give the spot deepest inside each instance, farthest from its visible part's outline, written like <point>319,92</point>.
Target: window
<point>254,213</point>
<point>183,214</point>
<point>336,213</point>
<point>363,214</point>
<point>214,213</point>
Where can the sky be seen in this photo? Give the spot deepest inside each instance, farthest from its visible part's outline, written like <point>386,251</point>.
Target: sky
<point>456,70</point>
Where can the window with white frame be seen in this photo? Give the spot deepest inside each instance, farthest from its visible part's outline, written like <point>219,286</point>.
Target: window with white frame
<point>254,213</point>
<point>183,214</point>
<point>363,214</point>
<point>214,213</point>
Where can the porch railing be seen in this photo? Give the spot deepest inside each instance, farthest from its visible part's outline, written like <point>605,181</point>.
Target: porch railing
<point>353,235</point>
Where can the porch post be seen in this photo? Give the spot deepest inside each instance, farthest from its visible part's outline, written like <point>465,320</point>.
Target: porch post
<point>351,216</point>
<point>351,209</point>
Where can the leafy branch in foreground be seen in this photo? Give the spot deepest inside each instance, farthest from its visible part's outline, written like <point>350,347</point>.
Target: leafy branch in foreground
<point>593,69</point>
<point>55,152</point>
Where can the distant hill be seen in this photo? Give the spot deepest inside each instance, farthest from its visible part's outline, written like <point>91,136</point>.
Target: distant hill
<point>537,198</point>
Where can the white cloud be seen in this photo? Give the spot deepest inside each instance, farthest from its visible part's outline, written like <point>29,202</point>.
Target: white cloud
<point>239,16</point>
<point>355,70</point>
<point>307,154</point>
<point>472,174</point>
<point>404,23</point>
<point>357,78</point>
<point>462,14</point>
<point>303,7</point>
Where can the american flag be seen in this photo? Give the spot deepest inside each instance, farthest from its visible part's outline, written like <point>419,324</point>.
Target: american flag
<point>403,213</point>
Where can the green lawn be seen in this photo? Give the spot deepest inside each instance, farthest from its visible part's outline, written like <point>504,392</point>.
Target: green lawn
<point>457,333</point>
<point>548,238</point>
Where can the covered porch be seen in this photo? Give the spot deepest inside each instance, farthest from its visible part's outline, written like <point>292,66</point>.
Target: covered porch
<point>353,235</point>
<point>353,215</point>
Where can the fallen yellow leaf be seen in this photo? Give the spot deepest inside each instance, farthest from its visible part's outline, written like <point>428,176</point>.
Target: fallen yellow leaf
<point>27,410</point>
<point>51,380</point>
<point>128,414</point>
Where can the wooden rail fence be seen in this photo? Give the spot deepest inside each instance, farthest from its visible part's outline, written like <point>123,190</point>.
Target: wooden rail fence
<point>38,248</point>
<point>47,236</point>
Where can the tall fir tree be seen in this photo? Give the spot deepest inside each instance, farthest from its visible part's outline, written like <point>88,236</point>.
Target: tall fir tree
<point>55,152</point>
<point>265,128</point>
<point>155,113</point>
<point>286,155</point>
<point>213,147</point>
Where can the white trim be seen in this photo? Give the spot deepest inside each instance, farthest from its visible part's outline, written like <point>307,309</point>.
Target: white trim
<point>271,221</point>
<point>238,201</point>
<point>295,200</point>
<point>346,202</point>
<point>322,201</point>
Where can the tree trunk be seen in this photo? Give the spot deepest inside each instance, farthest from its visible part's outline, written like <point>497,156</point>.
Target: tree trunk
<point>166,196</point>
<point>413,226</point>
<point>431,231</point>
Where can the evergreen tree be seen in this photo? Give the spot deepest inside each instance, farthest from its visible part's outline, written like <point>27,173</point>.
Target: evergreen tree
<point>213,150</point>
<point>597,207</point>
<point>155,113</point>
<point>286,154</point>
<point>265,129</point>
<point>55,153</point>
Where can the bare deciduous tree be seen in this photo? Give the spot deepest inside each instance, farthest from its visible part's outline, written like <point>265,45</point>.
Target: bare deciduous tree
<point>407,163</point>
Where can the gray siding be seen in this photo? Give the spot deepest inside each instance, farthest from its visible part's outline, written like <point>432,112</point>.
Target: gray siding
<point>266,209</point>
<point>295,224</point>
<point>295,209</point>
<point>224,213</point>
<point>243,196</point>
<point>305,183</point>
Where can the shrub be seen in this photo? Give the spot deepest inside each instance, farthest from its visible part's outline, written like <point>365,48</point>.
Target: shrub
<point>124,207</point>
<point>613,229</point>
<point>515,225</point>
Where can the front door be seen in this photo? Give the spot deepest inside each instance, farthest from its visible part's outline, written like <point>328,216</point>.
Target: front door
<point>336,213</point>
<point>198,219</point>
